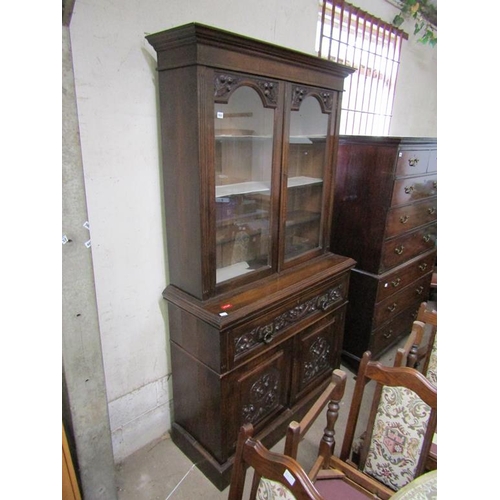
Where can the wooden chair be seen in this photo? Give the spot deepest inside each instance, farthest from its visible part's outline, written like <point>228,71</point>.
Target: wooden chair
<point>276,475</point>
<point>412,354</point>
<point>280,477</point>
<point>427,355</point>
<point>399,430</point>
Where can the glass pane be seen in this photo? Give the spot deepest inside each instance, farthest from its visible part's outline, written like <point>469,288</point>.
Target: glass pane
<point>308,129</point>
<point>243,164</point>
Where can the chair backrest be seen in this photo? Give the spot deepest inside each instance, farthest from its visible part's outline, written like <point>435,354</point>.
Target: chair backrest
<point>428,354</point>
<point>408,354</point>
<point>279,476</point>
<point>401,423</point>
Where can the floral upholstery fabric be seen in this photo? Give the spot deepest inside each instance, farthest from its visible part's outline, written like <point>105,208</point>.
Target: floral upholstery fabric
<point>422,488</point>
<point>398,434</point>
<point>272,490</point>
<point>432,368</point>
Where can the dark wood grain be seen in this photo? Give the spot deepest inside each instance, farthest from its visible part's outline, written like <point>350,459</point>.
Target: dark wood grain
<point>257,348</point>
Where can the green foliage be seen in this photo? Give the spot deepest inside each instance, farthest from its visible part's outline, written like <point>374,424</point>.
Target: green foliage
<point>424,15</point>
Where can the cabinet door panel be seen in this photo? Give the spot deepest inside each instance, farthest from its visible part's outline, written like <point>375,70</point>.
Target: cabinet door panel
<point>256,393</point>
<point>317,352</point>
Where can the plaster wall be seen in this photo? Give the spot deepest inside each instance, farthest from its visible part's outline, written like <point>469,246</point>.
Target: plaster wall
<point>115,77</point>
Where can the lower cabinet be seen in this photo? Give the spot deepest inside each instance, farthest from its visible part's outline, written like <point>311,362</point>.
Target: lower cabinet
<point>262,361</point>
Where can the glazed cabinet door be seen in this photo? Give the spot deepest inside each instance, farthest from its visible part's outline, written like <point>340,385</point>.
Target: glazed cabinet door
<point>246,142</point>
<point>305,162</point>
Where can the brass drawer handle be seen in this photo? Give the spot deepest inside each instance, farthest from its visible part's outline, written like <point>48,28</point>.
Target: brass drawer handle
<point>431,210</point>
<point>404,219</point>
<point>392,308</point>
<point>409,189</point>
<point>396,282</point>
<point>419,290</point>
<point>423,266</point>
<point>388,335</point>
<point>413,162</point>
<point>427,237</point>
<point>399,250</point>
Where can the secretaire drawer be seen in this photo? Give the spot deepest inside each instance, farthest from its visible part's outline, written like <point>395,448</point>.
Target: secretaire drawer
<point>413,189</point>
<point>402,219</point>
<point>398,250</point>
<point>401,277</point>
<point>264,332</point>
<point>412,162</point>
<point>415,292</point>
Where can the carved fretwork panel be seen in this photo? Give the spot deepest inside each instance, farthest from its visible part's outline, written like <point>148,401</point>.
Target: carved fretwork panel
<point>266,333</point>
<point>324,97</point>
<point>226,83</point>
<point>259,391</point>
<point>318,359</point>
<point>318,352</point>
<point>262,398</point>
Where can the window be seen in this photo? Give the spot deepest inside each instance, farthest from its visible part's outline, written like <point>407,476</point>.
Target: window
<point>350,36</point>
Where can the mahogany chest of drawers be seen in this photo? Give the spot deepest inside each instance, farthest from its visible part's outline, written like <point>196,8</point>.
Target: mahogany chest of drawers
<point>385,218</point>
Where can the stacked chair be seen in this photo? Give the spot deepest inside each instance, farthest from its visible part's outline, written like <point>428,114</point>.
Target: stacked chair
<point>380,454</point>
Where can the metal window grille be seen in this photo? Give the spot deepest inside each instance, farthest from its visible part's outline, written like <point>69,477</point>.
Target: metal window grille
<point>351,36</point>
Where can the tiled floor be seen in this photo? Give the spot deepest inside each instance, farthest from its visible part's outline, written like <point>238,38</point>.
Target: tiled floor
<point>160,471</point>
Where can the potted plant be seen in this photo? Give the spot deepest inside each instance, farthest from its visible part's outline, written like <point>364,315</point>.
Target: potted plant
<point>424,14</point>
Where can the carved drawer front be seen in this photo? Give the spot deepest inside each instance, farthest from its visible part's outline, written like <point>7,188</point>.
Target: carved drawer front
<point>256,392</point>
<point>401,277</point>
<point>269,329</point>
<point>317,351</point>
<point>413,189</point>
<point>388,333</point>
<point>398,250</point>
<point>412,162</point>
<point>402,219</point>
<point>416,292</point>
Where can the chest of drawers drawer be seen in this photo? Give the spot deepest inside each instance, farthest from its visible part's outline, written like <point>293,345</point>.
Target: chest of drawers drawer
<point>408,217</point>
<point>412,189</point>
<point>412,162</point>
<point>397,279</point>
<point>398,250</point>
<point>383,337</point>
<point>395,304</point>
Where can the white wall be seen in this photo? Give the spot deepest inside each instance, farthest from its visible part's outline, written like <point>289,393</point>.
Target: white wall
<point>118,111</point>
